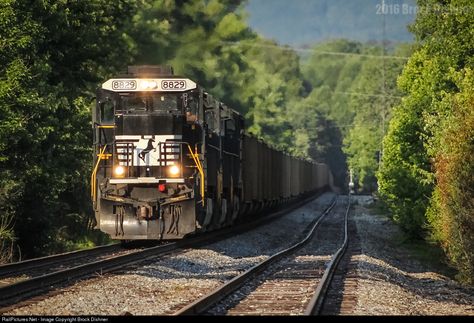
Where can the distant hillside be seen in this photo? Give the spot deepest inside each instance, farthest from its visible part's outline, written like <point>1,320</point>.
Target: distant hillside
<point>300,22</point>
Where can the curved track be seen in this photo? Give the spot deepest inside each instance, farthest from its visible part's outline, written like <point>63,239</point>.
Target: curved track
<point>315,305</point>
<point>90,263</point>
<point>285,282</point>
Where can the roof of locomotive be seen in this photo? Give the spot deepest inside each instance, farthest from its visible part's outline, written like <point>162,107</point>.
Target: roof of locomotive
<point>149,71</point>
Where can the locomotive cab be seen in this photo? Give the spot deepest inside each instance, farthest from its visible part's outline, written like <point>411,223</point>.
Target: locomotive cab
<point>148,177</point>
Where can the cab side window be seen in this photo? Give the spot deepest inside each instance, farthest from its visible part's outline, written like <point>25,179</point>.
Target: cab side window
<point>190,104</point>
<point>210,118</point>
<point>230,128</point>
<point>107,111</point>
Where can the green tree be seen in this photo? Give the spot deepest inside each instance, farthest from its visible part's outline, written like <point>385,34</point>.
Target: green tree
<point>197,38</point>
<point>211,43</point>
<point>53,54</point>
<point>374,93</point>
<point>354,88</point>
<point>451,211</point>
<point>426,177</point>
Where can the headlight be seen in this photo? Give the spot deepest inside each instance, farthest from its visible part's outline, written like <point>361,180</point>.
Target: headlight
<point>119,171</point>
<point>148,85</point>
<point>173,171</point>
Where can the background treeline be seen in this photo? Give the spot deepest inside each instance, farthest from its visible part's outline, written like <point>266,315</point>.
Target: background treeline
<point>304,22</point>
<point>332,105</point>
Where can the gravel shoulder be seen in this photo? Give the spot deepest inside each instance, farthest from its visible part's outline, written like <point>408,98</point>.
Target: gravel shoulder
<point>160,286</point>
<point>392,282</point>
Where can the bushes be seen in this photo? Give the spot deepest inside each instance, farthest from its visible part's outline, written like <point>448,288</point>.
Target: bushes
<point>451,214</point>
<point>427,177</point>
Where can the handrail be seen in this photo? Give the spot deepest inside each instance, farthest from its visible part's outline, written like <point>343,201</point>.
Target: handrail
<point>94,174</point>
<point>200,169</point>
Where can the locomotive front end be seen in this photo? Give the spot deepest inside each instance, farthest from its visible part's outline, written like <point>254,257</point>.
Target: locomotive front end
<point>147,168</point>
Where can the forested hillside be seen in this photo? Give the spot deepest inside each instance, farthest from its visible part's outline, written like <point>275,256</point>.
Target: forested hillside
<point>355,88</point>
<point>305,22</point>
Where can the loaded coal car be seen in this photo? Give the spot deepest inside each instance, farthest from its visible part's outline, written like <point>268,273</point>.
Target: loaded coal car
<point>170,160</point>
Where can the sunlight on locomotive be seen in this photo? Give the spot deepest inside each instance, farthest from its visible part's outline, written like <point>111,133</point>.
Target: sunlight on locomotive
<point>148,84</point>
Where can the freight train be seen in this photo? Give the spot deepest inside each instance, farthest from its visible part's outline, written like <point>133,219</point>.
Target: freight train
<point>170,160</point>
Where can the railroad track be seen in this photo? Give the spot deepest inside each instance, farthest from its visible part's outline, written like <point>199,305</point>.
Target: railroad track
<point>293,281</point>
<point>22,270</point>
<point>20,289</point>
<point>341,298</point>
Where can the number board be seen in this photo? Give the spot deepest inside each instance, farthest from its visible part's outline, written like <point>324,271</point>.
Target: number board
<point>124,85</point>
<point>173,85</point>
<point>138,85</point>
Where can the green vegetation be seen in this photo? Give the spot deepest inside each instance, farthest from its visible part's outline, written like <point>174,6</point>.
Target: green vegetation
<point>335,106</point>
<point>348,89</point>
<point>52,56</point>
<point>427,176</point>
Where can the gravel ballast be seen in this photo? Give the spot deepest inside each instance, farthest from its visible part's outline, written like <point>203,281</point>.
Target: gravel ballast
<point>161,286</point>
<point>390,280</point>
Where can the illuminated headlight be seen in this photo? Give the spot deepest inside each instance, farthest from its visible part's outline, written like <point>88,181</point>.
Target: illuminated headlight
<point>173,171</point>
<point>119,171</point>
<point>148,85</point>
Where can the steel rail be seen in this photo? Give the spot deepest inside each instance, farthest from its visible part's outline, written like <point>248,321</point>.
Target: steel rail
<point>26,288</point>
<point>23,289</point>
<point>316,303</point>
<point>207,301</point>
<point>15,268</point>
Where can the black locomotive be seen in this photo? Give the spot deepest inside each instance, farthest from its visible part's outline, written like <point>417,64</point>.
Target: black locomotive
<point>170,160</point>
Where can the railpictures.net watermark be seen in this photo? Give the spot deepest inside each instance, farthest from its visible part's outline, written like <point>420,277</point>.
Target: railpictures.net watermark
<point>407,9</point>
<point>51,319</point>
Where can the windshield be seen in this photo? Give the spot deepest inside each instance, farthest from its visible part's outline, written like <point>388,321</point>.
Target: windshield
<point>150,102</point>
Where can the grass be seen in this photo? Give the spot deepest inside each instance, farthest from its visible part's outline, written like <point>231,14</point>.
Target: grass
<point>427,253</point>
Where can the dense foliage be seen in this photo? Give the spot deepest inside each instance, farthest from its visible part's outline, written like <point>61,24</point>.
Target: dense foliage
<point>356,89</point>
<point>428,170</point>
<point>52,55</point>
<point>333,107</point>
